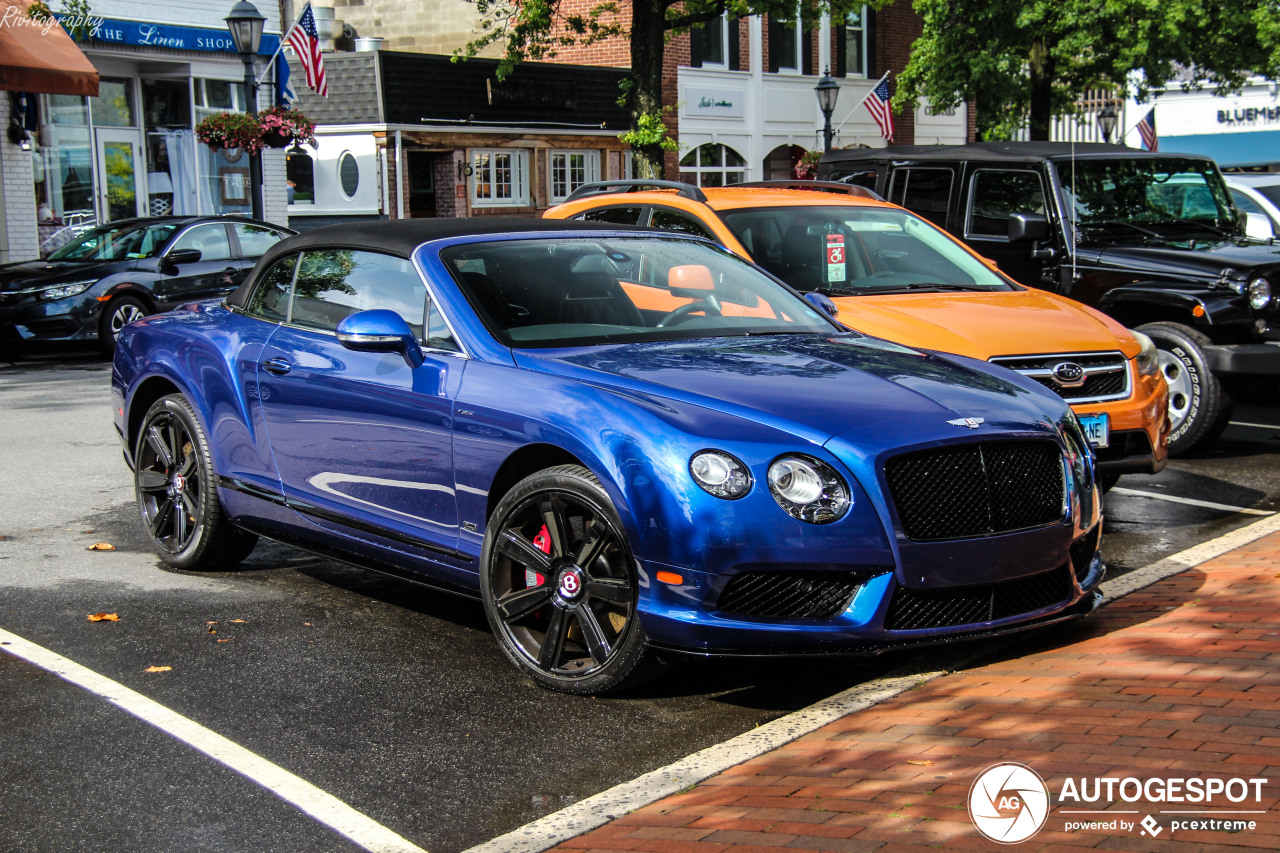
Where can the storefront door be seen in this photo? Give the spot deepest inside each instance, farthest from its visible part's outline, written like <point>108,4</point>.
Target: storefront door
<point>119,166</point>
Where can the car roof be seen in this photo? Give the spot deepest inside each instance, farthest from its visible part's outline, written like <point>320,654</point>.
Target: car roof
<point>186,220</point>
<point>1253,180</point>
<point>720,198</point>
<point>1013,152</point>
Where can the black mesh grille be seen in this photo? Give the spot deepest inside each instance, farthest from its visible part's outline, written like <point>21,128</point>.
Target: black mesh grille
<point>1082,551</point>
<point>913,610</point>
<point>790,595</point>
<point>977,489</point>
<point>1106,374</point>
<point>1097,385</point>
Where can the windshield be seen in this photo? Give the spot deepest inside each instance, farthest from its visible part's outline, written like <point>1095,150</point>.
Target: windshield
<point>1158,197</point>
<point>573,291</point>
<point>117,242</point>
<point>842,249</point>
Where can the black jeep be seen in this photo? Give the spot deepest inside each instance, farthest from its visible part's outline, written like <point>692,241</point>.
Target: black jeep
<point>1151,239</point>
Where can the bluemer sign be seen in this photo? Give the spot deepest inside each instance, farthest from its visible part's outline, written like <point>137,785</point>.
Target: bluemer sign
<point>1009,803</point>
<point>140,34</point>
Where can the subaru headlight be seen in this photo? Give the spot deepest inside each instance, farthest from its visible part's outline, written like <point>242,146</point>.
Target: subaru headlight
<point>1259,294</point>
<point>1148,359</point>
<point>808,489</point>
<point>62,291</point>
<point>719,474</point>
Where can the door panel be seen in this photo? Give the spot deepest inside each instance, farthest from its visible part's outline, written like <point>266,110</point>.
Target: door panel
<point>119,165</point>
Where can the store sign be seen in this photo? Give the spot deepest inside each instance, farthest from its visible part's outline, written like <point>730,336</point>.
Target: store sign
<point>139,34</point>
<point>1250,116</point>
<point>712,102</point>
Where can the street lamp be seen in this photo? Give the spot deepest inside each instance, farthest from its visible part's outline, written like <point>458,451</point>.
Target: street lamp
<point>827,91</point>
<point>1107,117</point>
<point>245,23</point>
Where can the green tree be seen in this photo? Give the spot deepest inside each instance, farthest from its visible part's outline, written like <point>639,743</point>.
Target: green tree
<point>1026,61</point>
<point>534,29</point>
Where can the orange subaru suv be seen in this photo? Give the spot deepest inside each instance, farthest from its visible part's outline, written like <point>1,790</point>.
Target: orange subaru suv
<point>897,276</point>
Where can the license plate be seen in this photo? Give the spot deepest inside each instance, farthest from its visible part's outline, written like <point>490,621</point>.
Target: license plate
<point>1096,429</point>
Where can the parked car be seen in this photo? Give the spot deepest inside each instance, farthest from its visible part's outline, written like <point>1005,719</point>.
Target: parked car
<point>1257,196</point>
<point>484,407</point>
<point>896,276</point>
<point>90,287</point>
<point>1153,240</point>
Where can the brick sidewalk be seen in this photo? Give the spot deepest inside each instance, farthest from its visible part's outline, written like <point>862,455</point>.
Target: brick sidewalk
<point>1181,679</point>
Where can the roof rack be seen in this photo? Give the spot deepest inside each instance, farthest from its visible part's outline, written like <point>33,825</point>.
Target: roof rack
<point>634,186</point>
<point>820,186</point>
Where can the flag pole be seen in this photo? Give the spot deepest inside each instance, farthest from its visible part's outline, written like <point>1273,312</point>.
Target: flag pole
<point>271,63</point>
<point>858,105</point>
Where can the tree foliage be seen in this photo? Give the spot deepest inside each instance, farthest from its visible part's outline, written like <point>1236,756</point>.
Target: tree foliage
<point>1026,61</point>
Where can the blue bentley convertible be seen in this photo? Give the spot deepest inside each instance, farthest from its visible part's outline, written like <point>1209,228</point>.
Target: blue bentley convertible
<point>621,441</point>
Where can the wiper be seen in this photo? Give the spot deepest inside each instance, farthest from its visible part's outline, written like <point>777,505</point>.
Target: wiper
<point>1111,223</point>
<point>1213,229</point>
<point>928,285</point>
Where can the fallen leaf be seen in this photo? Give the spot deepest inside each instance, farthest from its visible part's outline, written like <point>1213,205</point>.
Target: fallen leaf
<point>308,624</point>
<point>158,669</point>
<point>102,546</point>
<point>103,617</point>
<point>88,531</point>
<point>921,763</point>
<point>237,621</point>
<point>227,640</point>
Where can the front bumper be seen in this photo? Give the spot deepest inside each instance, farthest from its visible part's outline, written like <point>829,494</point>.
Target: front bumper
<point>71,319</point>
<point>1244,359</point>
<point>1139,429</point>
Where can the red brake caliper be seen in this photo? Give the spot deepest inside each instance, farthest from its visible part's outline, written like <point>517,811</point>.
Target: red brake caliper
<point>543,543</point>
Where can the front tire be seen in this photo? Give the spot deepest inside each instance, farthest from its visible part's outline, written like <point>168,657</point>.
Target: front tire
<point>559,584</point>
<point>177,493</point>
<point>1199,404</point>
<point>119,313</point>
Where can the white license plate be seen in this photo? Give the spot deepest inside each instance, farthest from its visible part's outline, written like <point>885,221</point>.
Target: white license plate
<point>1096,429</point>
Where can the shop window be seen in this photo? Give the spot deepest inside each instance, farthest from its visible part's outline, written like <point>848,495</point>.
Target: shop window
<point>300,175</point>
<point>713,165</point>
<point>218,96</point>
<point>853,59</point>
<point>166,110</point>
<point>572,169</point>
<point>500,178</point>
<point>64,186</point>
<point>114,105</point>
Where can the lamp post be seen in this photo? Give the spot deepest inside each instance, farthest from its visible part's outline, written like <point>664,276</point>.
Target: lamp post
<point>1107,117</point>
<point>245,23</point>
<point>827,91</point>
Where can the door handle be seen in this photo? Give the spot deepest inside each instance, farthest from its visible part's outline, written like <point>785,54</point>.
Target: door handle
<point>277,366</point>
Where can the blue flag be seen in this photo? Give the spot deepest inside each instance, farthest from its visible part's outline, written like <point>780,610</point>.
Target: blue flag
<point>285,96</point>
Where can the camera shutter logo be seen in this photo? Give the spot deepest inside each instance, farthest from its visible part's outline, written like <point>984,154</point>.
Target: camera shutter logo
<point>1008,803</point>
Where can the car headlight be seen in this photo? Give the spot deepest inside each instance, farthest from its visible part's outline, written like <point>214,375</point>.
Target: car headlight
<point>1147,360</point>
<point>720,474</point>
<point>808,489</point>
<point>62,291</point>
<point>1259,294</point>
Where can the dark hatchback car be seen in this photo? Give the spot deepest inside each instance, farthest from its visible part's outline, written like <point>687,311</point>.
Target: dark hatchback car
<point>116,273</point>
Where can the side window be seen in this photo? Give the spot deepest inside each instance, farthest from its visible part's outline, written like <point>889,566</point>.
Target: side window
<point>616,215</point>
<point>923,191</point>
<point>255,240</point>
<point>995,195</point>
<point>333,283</point>
<point>1244,203</point>
<point>438,334</point>
<point>673,220</point>
<point>270,299</point>
<point>210,239</point>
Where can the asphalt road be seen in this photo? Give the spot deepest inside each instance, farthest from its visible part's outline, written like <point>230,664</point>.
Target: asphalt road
<point>390,697</point>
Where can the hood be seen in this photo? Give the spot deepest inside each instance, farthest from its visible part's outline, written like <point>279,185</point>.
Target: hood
<point>983,325</point>
<point>25,274</point>
<point>818,386</point>
<point>1207,260</point>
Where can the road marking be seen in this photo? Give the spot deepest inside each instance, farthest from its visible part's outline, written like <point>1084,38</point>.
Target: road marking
<point>596,811</point>
<point>322,806</point>
<point>1190,501</point>
<point>1255,426</point>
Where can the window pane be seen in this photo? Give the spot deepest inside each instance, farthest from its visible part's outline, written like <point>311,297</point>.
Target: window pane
<point>998,194</point>
<point>255,240</point>
<point>114,105</point>
<point>333,283</point>
<point>617,215</point>
<point>854,46</point>
<point>438,335</point>
<point>270,299</point>
<point>670,220</point>
<point>209,240</point>
<point>788,46</point>
<point>925,191</point>
<point>1245,203</point>
<point>712,35</point>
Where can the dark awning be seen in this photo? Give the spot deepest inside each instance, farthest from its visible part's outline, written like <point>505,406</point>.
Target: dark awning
<point>35,57</point>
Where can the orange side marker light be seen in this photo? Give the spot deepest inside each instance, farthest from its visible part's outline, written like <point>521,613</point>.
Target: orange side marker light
<point>670,577</point>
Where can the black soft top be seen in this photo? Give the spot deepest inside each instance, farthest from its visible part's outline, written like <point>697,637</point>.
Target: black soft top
<point>400,237</point>
<point>1009,152</point>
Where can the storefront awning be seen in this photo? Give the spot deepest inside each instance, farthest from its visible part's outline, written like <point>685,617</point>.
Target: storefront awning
<point>1258,148</point>
<point>39,57</point>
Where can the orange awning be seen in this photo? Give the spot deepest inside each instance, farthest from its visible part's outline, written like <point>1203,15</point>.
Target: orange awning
<point>36,58</point>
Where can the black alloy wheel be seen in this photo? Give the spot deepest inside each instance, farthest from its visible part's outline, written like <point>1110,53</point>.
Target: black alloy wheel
<point>559,584</point>
<point>177,495</point>
<point>119,313</point>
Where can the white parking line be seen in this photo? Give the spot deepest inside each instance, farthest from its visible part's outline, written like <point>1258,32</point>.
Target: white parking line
<point>322,806</point>
<point>1255,426</point>
<point>1244,510</point>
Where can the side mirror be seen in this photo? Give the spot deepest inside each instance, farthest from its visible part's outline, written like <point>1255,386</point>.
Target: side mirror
<point>823,303</point>
<point>1026,227</point>
<point>1258,226</point>
<point>183,256</point>
<point>380,330</point>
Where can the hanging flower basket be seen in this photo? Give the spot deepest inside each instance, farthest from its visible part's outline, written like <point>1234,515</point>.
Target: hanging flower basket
<point>807,165</point>
<point>231,130</point>
<point>282,127</point>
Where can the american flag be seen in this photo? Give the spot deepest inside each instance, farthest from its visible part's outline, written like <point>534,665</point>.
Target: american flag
<point>878,105</point>
<point>1147,130</point>
<point>305,41</point>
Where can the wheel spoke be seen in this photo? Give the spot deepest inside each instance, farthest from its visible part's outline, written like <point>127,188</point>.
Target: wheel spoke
<point>553,642</point>
<point>151,481</point>
<point>179,525</point>
<point>160,520</point>
<point>158,445</point>
<point>593,634</point>
<point>593,546</point>
<point>190,504</point>
<point>553,518</point>
<point>188,466</point>
<point>524,552</point>
<point>517,605</point>
<point>611,590</point>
